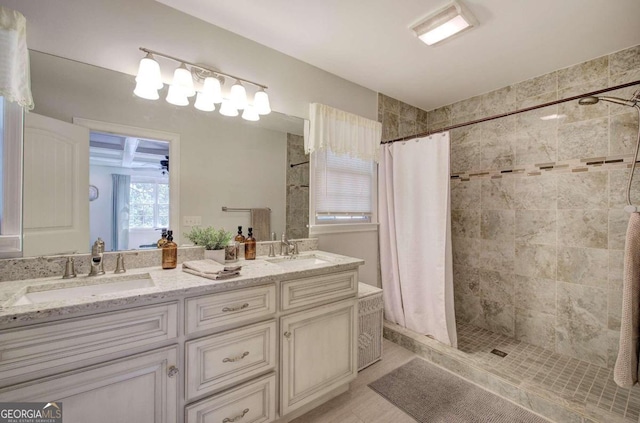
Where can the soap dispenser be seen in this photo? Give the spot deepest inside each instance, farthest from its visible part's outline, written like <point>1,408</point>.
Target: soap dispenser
<point>163,238</point>
<point>239,238</point>
<point>250,246</point>
<point>169,252</point>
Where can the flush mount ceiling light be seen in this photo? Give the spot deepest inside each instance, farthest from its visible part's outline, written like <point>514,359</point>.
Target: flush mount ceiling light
<point>446,22</point>
<point>183,86</point>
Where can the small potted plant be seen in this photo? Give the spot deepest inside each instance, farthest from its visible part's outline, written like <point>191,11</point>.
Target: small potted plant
<point>213,240</point>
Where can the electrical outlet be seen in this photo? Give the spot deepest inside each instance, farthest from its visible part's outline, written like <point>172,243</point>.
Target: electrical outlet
<point>192,220</point>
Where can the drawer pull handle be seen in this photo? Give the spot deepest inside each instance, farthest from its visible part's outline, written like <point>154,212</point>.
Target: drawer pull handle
<point>236,418</point>
<point>173,370</point>
<point>238,358</point>
<point>287,334</point>
<point>228,309</point>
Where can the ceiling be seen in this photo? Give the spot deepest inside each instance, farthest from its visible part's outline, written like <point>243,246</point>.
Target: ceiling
<point>370,43</point>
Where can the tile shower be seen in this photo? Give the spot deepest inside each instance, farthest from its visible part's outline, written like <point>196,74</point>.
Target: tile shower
<point>537,205</point>
<point>297,188</point>
<point>538,225</point>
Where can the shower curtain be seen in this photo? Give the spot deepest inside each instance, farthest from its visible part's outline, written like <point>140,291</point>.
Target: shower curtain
<point>415,236</point>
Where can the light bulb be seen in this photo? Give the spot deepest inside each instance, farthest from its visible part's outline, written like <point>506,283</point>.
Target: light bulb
<point>146,91</point>
<point>183,81</point>
<point>261,102</point>
<point>250,114</point>
<point>204,102</point>
<point>176,96</point>
<point>238,95</point>
<point>213,89</point>
<point>149,72</point>
<point>227,109</point>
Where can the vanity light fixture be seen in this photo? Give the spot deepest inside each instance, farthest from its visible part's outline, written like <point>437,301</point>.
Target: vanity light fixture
<point>444,23</point>
<point>183,86</point>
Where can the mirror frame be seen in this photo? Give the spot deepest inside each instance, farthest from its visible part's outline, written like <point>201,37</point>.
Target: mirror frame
<point>174,155</point>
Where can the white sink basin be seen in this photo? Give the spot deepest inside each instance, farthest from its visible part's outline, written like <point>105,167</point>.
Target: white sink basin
<point>299,261</point>
<point>83,287</point>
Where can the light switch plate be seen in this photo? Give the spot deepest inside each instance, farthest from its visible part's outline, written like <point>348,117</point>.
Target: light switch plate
<point>192,220</point>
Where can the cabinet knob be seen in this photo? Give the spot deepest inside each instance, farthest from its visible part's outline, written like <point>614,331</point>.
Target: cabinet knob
<point>287,334</point>
<point>236,418</point>
<point>173,370</point>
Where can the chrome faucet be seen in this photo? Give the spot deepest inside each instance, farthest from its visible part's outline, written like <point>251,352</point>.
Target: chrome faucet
<point>97,255</point>
<point>285,245</point>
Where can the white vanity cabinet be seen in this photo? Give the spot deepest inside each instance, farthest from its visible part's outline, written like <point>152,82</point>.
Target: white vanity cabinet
<point>141,388</point>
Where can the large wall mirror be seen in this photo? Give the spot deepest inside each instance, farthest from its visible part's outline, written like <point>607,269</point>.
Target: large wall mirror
<point>222,163</point>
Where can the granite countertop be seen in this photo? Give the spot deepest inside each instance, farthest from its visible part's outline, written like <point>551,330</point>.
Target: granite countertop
<point>168,285</point>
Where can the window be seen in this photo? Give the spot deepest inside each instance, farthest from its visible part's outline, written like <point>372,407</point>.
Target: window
<point>343,189</point>
<point>148,204</point>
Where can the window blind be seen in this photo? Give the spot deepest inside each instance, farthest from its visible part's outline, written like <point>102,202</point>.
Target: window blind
<point>343,188</point>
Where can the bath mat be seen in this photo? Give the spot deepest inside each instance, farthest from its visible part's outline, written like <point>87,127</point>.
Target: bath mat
<point>432,395</point>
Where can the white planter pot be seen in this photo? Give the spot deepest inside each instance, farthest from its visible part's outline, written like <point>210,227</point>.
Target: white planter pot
<point>215,255</point>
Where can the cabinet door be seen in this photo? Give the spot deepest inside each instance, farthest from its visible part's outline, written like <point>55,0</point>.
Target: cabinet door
<point>318,353</point>
<point>141,388</point>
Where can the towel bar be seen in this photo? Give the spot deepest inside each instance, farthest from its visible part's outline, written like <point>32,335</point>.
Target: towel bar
<point>232,209</point>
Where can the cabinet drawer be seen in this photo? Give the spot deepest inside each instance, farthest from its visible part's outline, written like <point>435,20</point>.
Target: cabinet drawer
<point>140,388</point>
<point>219,361</point>
<point>216,311</point>
<point>52,347</point>
<point>318,289</point>
<point>254,402</point>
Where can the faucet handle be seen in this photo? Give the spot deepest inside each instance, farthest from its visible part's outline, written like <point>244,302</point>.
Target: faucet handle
<point>69,269</point>
<point>295,247</point>
<point>120,264</point>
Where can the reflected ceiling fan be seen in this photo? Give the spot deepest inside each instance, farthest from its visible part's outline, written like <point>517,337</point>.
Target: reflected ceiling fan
<point>162,166</point>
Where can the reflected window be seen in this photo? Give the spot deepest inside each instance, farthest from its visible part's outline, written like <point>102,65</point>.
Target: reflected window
<point>149,205</point>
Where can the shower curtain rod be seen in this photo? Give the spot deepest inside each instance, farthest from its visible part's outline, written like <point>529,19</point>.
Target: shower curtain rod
<point>515,112</point>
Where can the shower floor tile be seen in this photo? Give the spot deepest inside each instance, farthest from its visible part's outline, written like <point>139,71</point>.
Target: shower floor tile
<point>574,380</point>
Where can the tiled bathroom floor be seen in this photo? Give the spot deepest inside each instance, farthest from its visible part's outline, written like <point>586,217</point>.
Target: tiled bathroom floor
<point>539,369</point>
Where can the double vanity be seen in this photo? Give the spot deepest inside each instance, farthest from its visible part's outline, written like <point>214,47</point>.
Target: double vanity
<point>154,345</point>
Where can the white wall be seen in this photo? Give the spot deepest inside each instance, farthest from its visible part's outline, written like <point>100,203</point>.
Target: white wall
<point>107,33</point>
<point>362,245</point>
<point>223,161</point>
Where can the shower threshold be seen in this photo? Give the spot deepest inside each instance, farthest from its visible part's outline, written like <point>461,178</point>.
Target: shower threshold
<point>555,386</point>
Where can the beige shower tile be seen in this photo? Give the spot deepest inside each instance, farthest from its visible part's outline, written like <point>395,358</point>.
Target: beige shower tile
<point>465,223</point>
<point>497,255</point>
<point>465,194</point>
<point>537,294</point>
<point>624,60</point>
<point>498,194</point>
<point>583,304</point>
<point>467,107</point>
<point>389,126</point>
<point>469,310</point>
<point>497,287</point>
<point>616,269</point>
<point>536,193</point>
<point>441,114</point>
<point>583,228</point>
<point>466,252</point>
<point>535,327</point>
<point>583,190</point>
<point>536,140</point>
<point>618,179</point>
<point>498,317</point>
<point>535,260</point>
<point>583,72</point>
<point>390,105</point>
<point>588,138</point>
<point>498,145</point>
<point>422,116</point>
<point>614,343</point>
<point>626,93</point>
<point>585,266</point>
<point>406,127</point>
<point>618,221</point>
<point>498,101</point>
<point>623,133</point>
<point>536,226</point>
<point>465,156</point>
<point>498,225</point>
<point>536,86</point>
<point>466,280</point>
<point>614,309</point>
<point>407,111</point>
<point>583,341</point>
